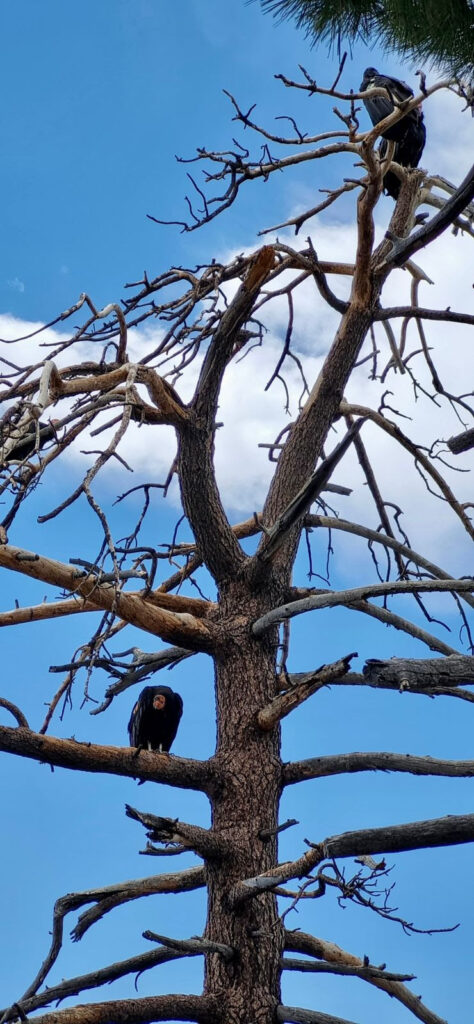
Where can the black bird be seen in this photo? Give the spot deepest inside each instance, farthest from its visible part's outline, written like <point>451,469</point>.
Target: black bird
<point>409,133</point>
<point>31,441</point>
<point>155,718</point>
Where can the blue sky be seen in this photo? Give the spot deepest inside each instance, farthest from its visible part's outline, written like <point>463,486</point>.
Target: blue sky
<point>98,100</point>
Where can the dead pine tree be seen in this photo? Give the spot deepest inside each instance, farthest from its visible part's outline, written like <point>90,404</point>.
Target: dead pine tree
<point>206,319</point>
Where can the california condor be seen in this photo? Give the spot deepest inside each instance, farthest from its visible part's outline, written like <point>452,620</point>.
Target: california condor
<point>155,718</point>
<point>409,133</point>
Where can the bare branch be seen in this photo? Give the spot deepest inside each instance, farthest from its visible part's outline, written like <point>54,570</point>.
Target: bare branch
<point>193,946</point>
<point>377,537</point>
<point>12,708</point>
<point>301,942</point>
<point>168,830</point>
<point>203,1009</point>
<point>366,973</point>
<point>417,835</point>
<point>103,976</point>
<point>298,1015</point>
<point>107,897</point>
<point>448,831</point>
<point>146,613</point>
<point>292,698</point>
<point>461,442</point>
<point>146,765</point>
<point>348,597</point>
<point>111,896</point>
<point>371,761</point>
<point>403,248</point>
<point>305,497</point>
<point>46,610</point>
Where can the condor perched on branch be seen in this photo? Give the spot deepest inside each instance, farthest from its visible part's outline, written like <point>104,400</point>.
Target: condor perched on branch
<point>155,718</point>
<point>409,133</point>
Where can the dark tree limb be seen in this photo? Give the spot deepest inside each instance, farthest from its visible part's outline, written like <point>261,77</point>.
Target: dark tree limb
<point>403,248</point>
<point>275,536</point>
<point>215,539</point>
<point>114,896</point>
<point>169,830</point>
<point>418,673</point>
<point>418,455</point>
<point>298,1015</point>
<point>146,765</point>
<point>418,835</point>
<point>12,708</point>
<point>404,674</point>
<point>202,1009</point>
<point>195,946</point>
<point>292,698</point>
<point>107,898</point>
<point>366,973</point>
<point>103,976</point>
<point>373,761</point>
<point>461,442</point>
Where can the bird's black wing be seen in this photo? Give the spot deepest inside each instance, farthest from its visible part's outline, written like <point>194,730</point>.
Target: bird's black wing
<point>171,719</point>
<point>135,724</point>
<point>379,107</point>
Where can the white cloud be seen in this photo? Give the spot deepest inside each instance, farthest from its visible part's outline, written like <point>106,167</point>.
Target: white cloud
<point>253,416</point>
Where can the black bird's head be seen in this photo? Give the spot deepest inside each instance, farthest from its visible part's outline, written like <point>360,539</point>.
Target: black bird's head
<point>369,75</point>
<point>160,697</point>
<point>159,701</point>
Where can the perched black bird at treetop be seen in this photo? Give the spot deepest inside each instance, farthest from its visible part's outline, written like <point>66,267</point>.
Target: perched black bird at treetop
<point>155,718</point>
<point>409,133</point>
<point>32,440</point>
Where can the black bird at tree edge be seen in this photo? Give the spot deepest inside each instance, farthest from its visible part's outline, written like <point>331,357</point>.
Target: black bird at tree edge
<point>409,133</point>
<point>155,718</point>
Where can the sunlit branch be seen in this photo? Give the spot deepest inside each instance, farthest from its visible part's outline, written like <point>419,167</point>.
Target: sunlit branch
<point>46,610</point>
<point>144,613</point>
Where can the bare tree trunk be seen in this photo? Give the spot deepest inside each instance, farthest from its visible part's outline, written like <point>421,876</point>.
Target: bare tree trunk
<point>244,810</point>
